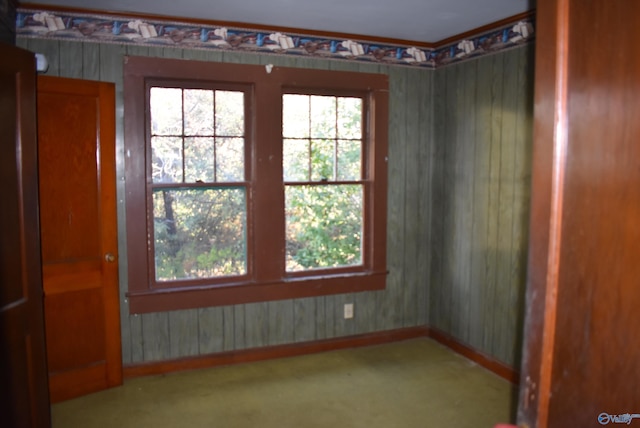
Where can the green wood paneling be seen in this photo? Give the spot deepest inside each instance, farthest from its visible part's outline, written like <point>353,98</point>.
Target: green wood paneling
<point>132,349</point>
<point>436,261</point>
<point>210,330</point>
<point>239,330</point>
<point>480,200</point>
<point>280,322</point>
<point>183,333</point>
<point>69,53</point>
<point>522,196</point>
<point>228,326</point>
<point>454,187</point>
<point>304,316</point>
<point>256,324</point>
<point>393,307</point>
<point>410,222</point>
<point>156,344</point>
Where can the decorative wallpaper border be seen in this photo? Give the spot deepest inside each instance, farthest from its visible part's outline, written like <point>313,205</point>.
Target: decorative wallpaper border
<point>121,29</point>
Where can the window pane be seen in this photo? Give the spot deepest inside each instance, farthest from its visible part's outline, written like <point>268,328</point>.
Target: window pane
<point>166,111</point>
<point>199,233</point>
<point>322,160</point>
<point>198,112</point>
<point>229,159</point>
<point>349,160</point>
<point>295,160</point>
<point>323,226</point>
<point>229,113</point>
<point>295,116</point>
<point>198,160</point>
<point>349,118</point>
<point>323,117</point>
<point>166,164</point>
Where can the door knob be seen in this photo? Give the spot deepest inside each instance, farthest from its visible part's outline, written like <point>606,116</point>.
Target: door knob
<point>110,257</point>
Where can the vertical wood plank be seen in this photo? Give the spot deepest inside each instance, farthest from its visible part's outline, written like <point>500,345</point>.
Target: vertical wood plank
<point>90,61</point>
<point>183,333</point>
<point>133,329</point>
<point>467,208</point>
<point>330,316</point>
<point>492,254</point>
<point>502,324</point>
<point>391,308</point>
<point>256,324</point>
<point>365,311</point>
<point>411,236</point>
<point>155,51</point>
<point>240,57</point>
<point>70,58</point>
<point>280,322</point>
<point>239,330</point>
<point>203,55</point>
<point>228,323</point>
<point>448,302</point>
<point>321,318</point>
<point>210,330</point>
<point>156,342</point>
<point>436,263</point>
<point>481,189</point>
<point>304,317</point>
<point>457,176</point>
<point>425,172</point>
<point>170,52</point>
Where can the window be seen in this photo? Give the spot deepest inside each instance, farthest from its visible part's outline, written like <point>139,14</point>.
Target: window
<point>198,189</point>
<point>245,185</point>
<point>323,185</point>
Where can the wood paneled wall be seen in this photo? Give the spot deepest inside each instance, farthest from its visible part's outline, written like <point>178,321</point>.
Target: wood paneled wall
<point>483,112</point>
<point>459,177</point>
<point>168,335</point>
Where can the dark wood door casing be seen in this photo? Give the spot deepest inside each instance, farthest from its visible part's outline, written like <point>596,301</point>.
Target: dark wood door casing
<point>583,322</point>
<point>24,397</point>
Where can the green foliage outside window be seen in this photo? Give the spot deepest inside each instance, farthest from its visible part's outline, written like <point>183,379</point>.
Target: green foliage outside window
<point>322,145</point>
<point>200,228</point>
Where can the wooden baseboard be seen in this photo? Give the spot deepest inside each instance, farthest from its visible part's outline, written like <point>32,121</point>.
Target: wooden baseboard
<point>489,363</point>
<point>296,349</point>
<point>271,352</point>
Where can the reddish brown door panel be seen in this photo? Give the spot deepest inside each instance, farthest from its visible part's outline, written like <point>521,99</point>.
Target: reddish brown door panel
<point>79,238</point>
<point>582,359</point>
<point>24,398</point>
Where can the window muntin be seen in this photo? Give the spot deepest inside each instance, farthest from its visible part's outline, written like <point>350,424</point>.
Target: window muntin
<point>324,181</point>
<point>197,135</point>
<point>199,195</point>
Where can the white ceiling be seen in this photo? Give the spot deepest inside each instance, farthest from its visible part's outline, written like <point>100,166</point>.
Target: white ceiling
<point>417,20</point>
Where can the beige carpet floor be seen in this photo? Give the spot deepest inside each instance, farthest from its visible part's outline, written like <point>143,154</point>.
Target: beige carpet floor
<point>414,383</point>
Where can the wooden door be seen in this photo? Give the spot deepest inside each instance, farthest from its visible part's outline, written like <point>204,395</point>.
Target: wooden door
<point>24,398</point>
<point>79,236</point>
<point>582,339</point>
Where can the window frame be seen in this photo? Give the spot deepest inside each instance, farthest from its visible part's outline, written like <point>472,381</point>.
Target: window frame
<point>151,185</point>
<point>267,278</point>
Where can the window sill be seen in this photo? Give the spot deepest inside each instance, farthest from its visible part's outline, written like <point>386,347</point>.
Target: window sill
<point>169,299</point>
